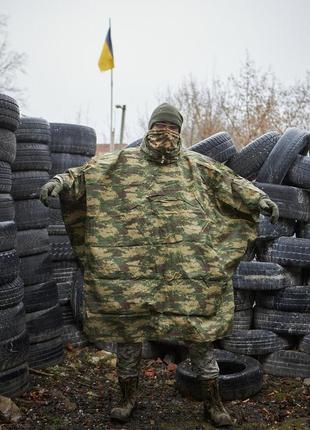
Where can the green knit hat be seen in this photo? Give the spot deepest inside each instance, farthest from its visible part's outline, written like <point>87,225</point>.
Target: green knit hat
<point>166,112</point>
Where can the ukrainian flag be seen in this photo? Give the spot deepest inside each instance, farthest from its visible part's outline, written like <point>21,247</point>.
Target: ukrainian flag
<point>106,60</point>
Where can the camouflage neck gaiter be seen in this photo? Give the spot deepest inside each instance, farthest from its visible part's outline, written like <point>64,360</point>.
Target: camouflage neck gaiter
<point>161,146</point>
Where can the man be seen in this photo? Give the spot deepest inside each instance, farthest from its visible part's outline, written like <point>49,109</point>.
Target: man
<point>159,231</point>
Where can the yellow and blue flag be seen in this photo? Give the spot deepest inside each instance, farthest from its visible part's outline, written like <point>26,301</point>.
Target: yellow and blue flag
<point>106,60</point>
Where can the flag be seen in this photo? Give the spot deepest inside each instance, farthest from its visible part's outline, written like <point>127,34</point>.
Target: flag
<point>106,60</point>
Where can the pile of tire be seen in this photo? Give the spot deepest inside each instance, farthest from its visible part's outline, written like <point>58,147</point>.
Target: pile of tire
<point>14,340</point>
<point>72,145</point>
<point>31,171</point>
<point>272,292</point>
<point>272,301</point>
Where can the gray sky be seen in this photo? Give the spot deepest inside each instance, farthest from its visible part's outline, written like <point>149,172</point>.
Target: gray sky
<point>156,44</point>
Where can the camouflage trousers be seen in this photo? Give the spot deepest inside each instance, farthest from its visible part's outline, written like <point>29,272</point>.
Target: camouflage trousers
<point>201,355</point>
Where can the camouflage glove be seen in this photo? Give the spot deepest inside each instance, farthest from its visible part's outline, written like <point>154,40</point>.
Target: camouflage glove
<point>51,188</point>
<point>269,208</point>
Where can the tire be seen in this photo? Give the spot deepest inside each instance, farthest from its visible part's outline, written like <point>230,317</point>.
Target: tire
<point>14,382</point>
<point>282,156</point>
<point>38,297</point>
<point>242,320</point>
<point>32,156</point>
<point>12,322</point>
<point>9,113</point>
<point>134,144</point>
<point>67,314</point>
<point>34,130</point>
<point>27,184</point>
<point>288,364</point>
<point>44,325</point>
<point>61,162</point>
<point>240,377</point>
<point>254,342</point>
<point>282,322</point>
<point>35,269</point>
<point>7,235</point>
<point>220,147</point>
<point>57,230</point>
<point>46,354</point>
<point>290,299</point>
<point>14,351</point>
<point>31,214</point>
<point>55,217</point>
<point>31,242</point>
<point>9,265</point>
<point>7,210</point>
<point>61,248</point>
<point>261,276</point>
<point>73,138</point>
<point>7,145</point>
<point>243,300</point>
<point>299,173</point>
<point>268,231</point>
<point>293,203</point>
<point>5,177</point>
<point>287,251</point>
<point>11,294</point>
<point>250,159</point>
<point>304,344</point>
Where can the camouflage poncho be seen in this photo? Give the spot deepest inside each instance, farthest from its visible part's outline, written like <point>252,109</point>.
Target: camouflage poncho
<point>159,240</point>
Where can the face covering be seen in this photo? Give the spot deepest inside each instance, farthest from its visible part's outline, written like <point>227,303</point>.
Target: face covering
<point>164,141</point>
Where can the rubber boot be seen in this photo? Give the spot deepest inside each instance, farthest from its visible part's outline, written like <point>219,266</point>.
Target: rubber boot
<point>213,406</point>
<point>128,388</point>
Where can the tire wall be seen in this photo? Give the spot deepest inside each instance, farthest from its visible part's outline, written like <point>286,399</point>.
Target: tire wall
<point>14,339</point>
<point>278,277</point>
<point>30,171</point>
<point>71,145</point>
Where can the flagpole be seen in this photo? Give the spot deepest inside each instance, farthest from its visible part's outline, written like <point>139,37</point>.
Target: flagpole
<point>111,119</point>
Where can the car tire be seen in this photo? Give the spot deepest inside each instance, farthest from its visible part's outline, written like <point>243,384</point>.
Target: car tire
<point>7,145</point>
<point>32,156</point>
<point>254,342</point>
<point>34,130</point>
<point>9,113</point>
<point>287,363</point>
<point>293,323</point>
<point>250,159</point>
<point>219,147</point>
<point>7,235</point>
<point>283,155</point>
<point>11,294</point>
<point>73,138</point>
<point>14,382</point>
<point>31,214</point>
<point>287,251</point>
<point>240,377</point>
<point>47,353</point>
<point>27,184</point>
<point>261,276</point>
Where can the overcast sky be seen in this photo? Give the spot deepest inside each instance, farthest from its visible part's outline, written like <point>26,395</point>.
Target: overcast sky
<point>156,44</point>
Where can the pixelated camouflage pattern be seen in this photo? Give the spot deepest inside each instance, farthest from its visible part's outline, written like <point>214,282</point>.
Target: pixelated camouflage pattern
<point>159,243</point>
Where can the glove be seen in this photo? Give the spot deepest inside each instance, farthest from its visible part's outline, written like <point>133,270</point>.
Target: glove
<point>51,188</point>
<point>270,209</point>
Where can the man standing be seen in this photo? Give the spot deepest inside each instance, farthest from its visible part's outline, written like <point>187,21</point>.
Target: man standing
<point>159,231</point>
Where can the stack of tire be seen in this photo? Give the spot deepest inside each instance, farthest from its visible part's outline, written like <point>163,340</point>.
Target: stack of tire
<point>272,292</point>
<point>14,341</point>
<point>272,318</point>
<point>30,171</point>
<point>72,145</point>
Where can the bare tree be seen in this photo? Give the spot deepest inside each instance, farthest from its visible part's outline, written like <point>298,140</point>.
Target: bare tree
<point>246,104</point>
<point>11,63</point>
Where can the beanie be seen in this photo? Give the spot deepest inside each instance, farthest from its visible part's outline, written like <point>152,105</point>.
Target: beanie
<point>166,112</point>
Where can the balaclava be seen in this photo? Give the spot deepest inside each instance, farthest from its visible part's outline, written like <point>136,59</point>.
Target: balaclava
<point>163,145</point>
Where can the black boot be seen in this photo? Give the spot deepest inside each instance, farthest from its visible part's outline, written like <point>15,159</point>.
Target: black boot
<point>213,406</point>
<point>128,388</point>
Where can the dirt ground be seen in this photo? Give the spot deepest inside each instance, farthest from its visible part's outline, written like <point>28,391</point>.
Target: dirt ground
<point>79,393</point>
